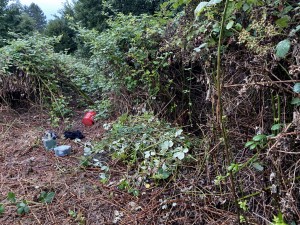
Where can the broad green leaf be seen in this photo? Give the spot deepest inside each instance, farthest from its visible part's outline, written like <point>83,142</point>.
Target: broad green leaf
<point>248,143</point>
<point>216,28</point>
<point>179,155</point>
<point>283,48</point>
<point>296,88</point>
<point>230,14</point>
<point>253,146</point>
<point>258,166</point>
<point>179,132</point>
<point>259,137</point>
<point>283,22</point>
<point>164,167</point>
<point>72,213</point>
<point>46,197</point>
<point>238,26</point>
<point>49,198</point>
<point>22,208</point>
<point>2,209</point>
<point>230,24</point>
<point>213,2</point>
<point>166,145</point>
<point>105,168</point>
<point>278,220</point>
<point>201,6</point>
<point>243,205</point>
<point>294,31</point>
<point>239,5</point>
<point>26,209</point>
<point>171,144</point>
<point>102,176</point>
<point>161,174</point>
<point>246,7</point>
<point>276,126</point>
<point>11,197</point>
<point>295,101</point>
<point>287,9</point>
<point>135,192</point>
<point>233,167</point>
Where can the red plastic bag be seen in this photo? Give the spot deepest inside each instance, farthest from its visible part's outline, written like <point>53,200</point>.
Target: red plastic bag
<point>88,119</point>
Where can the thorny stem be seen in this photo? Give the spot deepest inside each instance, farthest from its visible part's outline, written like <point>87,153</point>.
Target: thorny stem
<point>220,110</point>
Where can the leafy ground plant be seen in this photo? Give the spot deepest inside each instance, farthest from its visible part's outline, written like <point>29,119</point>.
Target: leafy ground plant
<point>151,148</point>
<point>46,197</point>
<point>23,205</point>
<point>2,209</point>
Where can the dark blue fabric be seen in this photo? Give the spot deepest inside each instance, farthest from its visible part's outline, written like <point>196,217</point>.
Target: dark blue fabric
<point>73,135</point>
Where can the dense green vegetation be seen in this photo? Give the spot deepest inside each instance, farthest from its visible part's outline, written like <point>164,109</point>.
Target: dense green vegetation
<point>227,72</point>
<point>19,19</point>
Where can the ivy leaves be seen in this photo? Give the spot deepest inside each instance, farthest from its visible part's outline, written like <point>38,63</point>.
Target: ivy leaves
<point>202,5</point>
<point>46,197</point>
<point>296,88</point>
<point>22,205</point>
<point>180,153</point>
<point>22,208</point>
<point>282,48</point>
<point>257,141</point>
<point>152,148</point>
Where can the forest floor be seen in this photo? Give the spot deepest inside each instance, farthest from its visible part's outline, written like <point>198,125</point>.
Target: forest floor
<point>27,169</point>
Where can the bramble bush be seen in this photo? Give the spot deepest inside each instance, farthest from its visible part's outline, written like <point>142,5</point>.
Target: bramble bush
<point>30,65</point>
<point>126,52</point>
<point>150,147</point>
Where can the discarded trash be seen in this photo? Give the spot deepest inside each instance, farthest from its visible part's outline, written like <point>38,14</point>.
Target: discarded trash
<point>49,140</point>
<point>88,119</point>
<point>73,134</point>
<point>117,216</point>
<point>87,151</point>
<point>62,150</point>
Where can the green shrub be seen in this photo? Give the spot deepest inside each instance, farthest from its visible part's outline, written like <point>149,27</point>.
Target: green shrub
<point>32,62</point>
<point>126,52</point>
<point>152,148</point>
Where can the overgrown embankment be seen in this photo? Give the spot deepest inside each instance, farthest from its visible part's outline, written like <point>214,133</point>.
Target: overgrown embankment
<point>227,82</point>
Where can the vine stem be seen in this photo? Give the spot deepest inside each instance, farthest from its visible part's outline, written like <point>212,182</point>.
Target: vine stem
<point>219,111</point>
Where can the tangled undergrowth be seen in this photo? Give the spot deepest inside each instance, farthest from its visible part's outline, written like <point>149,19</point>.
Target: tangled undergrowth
<point>151,149</point>
<point>234,89</point>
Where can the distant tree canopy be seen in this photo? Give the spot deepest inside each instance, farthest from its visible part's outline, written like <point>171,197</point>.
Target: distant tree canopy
<point>90,13</point>
<point>35,12</point>
<point>3,4</point>
<point>136,7</point>
<point>16,18</point>
<point>60,26</point>
<point>93,14</point>
<point>11,20</point>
